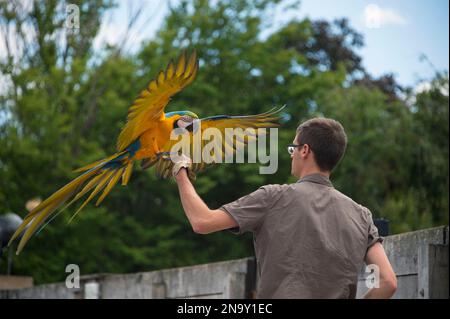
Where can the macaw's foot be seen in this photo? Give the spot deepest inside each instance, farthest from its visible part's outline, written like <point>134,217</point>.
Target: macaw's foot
<point>148,162</point>
<point>165,155</point>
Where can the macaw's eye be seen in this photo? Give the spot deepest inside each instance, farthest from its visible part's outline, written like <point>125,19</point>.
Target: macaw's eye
<point>186,118</point>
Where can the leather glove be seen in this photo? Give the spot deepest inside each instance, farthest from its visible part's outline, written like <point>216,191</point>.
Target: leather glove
<point>182,161</point>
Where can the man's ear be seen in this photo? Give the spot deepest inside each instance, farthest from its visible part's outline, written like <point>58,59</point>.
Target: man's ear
<point>303,150</point>
<point>306,151</point>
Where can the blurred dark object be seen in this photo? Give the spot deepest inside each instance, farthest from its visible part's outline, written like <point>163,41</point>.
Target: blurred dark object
<point>8,225</point>
<point>382,225</point>
<point>9,222</point>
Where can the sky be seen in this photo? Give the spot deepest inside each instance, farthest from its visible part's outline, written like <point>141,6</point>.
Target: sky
<point>396,32</point>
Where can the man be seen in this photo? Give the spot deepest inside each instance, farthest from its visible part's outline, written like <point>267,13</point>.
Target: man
<point>310,240</point>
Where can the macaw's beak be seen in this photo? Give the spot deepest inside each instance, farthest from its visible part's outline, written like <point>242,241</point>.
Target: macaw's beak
<point>189,123</point>
<point>194,126</point>
<point>183,123</point>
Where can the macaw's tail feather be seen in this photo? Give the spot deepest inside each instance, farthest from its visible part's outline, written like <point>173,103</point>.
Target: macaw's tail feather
<point>99,176</point>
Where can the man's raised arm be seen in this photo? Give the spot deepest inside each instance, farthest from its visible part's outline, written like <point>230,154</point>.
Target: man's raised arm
<point>202,219</point>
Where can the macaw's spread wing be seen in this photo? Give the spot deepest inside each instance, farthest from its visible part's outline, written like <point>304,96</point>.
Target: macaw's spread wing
<point>151,102</point>
<point>264,120</point>
<point>221,146</point>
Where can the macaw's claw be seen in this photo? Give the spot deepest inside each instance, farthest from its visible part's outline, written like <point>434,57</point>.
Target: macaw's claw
<point>148,162</point>
<point>165,155</point>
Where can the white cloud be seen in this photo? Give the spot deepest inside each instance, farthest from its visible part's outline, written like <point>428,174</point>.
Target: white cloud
<point>422,87</point>
<point>376,17</point>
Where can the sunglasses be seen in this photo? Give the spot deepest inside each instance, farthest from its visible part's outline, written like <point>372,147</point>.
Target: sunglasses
<point>291,148</point>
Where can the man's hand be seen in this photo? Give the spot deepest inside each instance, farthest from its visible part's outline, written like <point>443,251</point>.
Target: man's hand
<point>183,161</point>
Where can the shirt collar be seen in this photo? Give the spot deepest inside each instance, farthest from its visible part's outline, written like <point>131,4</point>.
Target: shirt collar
<point>316,178</point>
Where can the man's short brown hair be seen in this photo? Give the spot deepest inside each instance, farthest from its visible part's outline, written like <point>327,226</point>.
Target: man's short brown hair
<point>326,138</point>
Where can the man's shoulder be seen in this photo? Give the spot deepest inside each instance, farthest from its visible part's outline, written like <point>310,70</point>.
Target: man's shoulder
<point>349,201</point>
<point>299,188</point>
<point>274,191</point>
<point>277,188</point>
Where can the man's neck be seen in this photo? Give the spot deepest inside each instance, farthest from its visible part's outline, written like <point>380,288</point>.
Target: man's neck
<point>314,170</point>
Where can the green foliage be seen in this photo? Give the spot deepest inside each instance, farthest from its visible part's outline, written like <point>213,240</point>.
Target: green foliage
<point>385,167</point>
<point>64,107</point>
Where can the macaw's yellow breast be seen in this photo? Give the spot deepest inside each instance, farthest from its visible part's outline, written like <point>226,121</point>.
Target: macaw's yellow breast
<point>154,139</point>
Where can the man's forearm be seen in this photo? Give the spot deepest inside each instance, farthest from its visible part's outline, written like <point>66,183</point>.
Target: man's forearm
<point>385,291</point>
<point>196,210</point>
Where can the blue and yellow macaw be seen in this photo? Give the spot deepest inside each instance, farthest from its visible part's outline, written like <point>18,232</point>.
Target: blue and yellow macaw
<point>145,137</point>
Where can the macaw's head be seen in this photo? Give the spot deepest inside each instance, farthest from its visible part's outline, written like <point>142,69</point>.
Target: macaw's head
<point>182,119</point>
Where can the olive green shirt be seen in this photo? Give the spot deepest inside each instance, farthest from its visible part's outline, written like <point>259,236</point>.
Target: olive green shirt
<point>310,240</point>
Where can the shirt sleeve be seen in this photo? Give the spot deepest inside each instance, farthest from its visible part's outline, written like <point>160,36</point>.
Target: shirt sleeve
<point>372,232</point>
<point>249,211</point>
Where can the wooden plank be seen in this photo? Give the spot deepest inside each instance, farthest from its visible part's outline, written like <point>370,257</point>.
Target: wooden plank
<point>433,272</point>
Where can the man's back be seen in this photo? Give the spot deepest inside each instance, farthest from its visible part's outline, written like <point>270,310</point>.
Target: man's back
<point>310,239</point>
